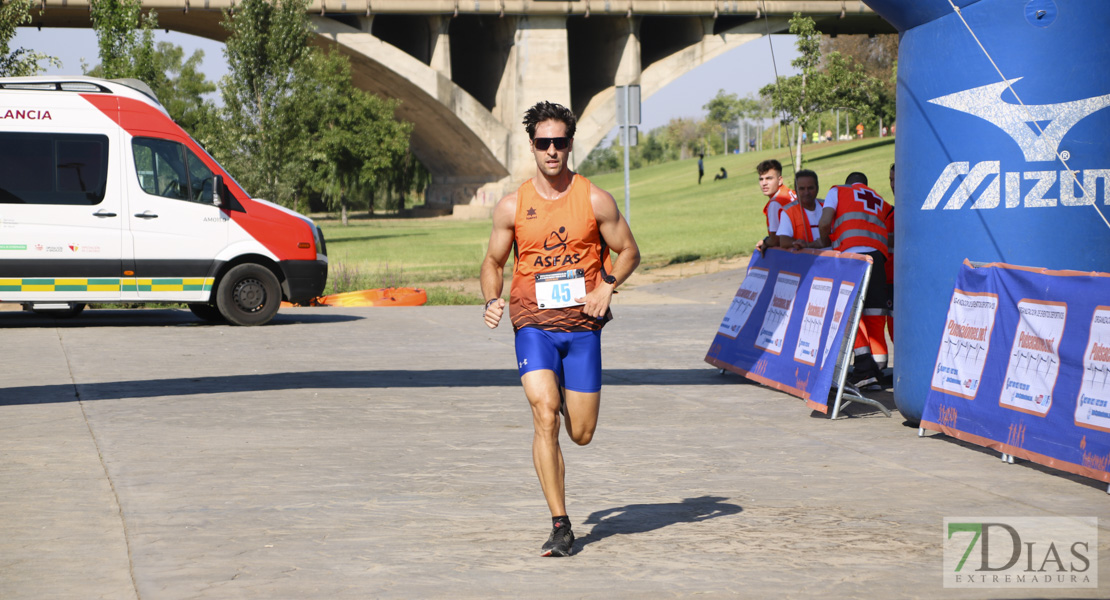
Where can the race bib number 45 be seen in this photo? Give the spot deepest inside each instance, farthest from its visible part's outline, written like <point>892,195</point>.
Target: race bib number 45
<point>558,290</point>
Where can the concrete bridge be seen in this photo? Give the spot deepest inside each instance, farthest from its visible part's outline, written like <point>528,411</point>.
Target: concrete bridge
<point>466,70</point>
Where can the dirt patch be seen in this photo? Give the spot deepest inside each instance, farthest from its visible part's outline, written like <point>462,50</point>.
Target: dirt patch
<point>643,276</point>
<point>648,276</point>
<point>467,286</point>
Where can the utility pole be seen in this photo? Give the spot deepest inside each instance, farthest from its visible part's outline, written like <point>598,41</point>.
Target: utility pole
<point>628,118</point>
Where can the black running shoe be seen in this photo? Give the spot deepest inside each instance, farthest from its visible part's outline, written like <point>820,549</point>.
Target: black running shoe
<point>560,543</point>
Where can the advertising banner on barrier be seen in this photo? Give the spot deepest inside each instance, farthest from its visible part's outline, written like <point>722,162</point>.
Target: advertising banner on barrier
<point>786,323</point>
<point>1023,366</point>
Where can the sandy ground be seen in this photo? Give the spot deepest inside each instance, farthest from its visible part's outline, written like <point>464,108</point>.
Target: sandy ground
<point>385,453</point>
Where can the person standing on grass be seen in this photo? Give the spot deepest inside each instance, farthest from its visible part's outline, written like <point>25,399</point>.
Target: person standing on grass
<point>562,229</point>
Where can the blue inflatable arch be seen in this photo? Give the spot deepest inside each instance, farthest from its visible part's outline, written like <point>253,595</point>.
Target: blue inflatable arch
<point>1003,153</point>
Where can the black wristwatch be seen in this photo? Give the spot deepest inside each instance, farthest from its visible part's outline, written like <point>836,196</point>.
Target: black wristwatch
<point>609,279</point>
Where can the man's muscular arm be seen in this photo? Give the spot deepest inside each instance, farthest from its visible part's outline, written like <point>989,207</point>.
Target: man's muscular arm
<point>616,233</point>
<point>493,266</point>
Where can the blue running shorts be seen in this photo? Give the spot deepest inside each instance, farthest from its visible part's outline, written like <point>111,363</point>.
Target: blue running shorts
<point>574,356</point>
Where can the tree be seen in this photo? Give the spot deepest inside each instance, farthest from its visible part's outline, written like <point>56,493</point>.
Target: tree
<point>183,86</point>
<point>878,57</point>
<point>21,61</point>
<point>652,148</point>
<point>684,134</point>
<point>180,88</point>
<point>355,143</point>
<point>723,108</point>
<point>125,37</point>
<point>821,85</point>
<point>293,123</point>
<point>601,160</point>
<point>255,141</point>
<point>406,174</point>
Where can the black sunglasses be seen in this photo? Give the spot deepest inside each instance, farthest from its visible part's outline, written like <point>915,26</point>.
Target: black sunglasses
<point>544,143</point>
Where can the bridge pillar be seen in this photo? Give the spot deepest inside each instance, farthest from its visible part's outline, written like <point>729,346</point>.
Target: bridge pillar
<point>538,69</point>
<point>441,44</point>
<point>605,52</point>
<point>628,69</point>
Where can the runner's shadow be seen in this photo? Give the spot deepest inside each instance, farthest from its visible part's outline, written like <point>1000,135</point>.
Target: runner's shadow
<point>641,518</point>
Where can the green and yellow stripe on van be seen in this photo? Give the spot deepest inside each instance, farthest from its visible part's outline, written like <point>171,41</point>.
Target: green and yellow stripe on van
<point>107,284</point>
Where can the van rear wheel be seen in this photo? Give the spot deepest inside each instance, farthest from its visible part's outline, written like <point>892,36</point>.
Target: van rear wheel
<point>206,312</point>
<point>249,294</point>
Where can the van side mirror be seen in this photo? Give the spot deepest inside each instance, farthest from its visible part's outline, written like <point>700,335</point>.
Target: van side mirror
<point>217,188</point>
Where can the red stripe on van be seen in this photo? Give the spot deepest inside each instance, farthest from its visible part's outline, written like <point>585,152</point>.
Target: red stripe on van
<point>278,231</point>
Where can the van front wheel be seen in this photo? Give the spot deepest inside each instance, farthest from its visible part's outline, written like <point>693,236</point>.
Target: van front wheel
<point>249,294</point>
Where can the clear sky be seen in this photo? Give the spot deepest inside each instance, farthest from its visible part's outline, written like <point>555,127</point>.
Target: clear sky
<point>72,45</point>
<point>741,71</point>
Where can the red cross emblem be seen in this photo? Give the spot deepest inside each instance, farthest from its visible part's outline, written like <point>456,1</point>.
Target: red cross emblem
<point>871,201</point>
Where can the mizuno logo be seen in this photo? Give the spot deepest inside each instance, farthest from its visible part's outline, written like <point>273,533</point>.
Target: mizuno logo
<point>1018,122</point>
<point>1014,188</point>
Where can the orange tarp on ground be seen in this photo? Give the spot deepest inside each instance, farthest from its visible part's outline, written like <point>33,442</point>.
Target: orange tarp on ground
<point>376,297</point>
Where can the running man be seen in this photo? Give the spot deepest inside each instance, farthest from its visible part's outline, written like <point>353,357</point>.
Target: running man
<point>562,229</point>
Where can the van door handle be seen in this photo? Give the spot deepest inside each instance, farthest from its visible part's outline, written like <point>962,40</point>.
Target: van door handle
<point>146,214</point>
<point>103,213</point>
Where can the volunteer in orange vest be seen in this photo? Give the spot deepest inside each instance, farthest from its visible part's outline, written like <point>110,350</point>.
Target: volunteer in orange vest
<point>561,229</point>
<point>853,220</point>
<point>798,225</point>
<point>889,220</point>
<point>778,195</point>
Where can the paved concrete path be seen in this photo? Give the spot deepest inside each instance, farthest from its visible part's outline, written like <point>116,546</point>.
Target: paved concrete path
<point>385,453</point>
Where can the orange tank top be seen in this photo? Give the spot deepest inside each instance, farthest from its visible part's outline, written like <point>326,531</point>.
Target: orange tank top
<point>552,238</point>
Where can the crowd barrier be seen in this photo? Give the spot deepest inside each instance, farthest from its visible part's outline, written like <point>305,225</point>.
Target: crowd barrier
<point>1023,366</point>
<point>803,352</point>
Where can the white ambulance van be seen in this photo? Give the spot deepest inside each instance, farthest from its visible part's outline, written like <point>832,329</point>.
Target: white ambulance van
<point>103,198</point>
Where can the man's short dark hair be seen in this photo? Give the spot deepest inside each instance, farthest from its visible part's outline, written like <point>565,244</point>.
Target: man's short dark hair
<point>806,173</point>
<point>767,165</point>
<point>548,111</point>
<point>854,178</point>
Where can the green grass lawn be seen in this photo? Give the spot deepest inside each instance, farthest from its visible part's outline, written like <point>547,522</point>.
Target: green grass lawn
<point>674,219</point>
<point>392,252</point>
